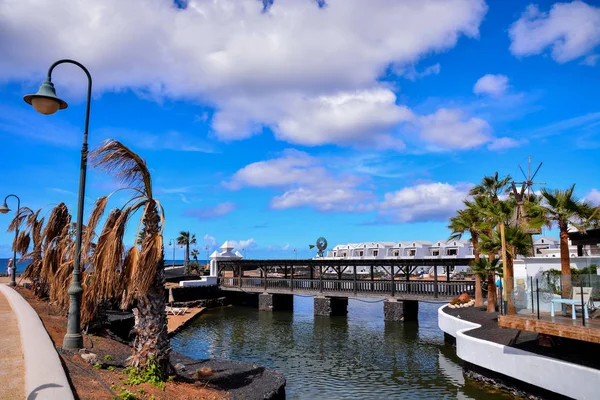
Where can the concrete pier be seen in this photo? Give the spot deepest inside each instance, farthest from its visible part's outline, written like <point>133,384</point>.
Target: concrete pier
<point>331,306</point>
<point>275,302</point>
<point>395,310</point>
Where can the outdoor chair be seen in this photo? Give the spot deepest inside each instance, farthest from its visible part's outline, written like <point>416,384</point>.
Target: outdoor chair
<point>176,310</point>
<point>575,301</point>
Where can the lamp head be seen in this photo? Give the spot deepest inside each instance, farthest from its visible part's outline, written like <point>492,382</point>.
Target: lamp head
<point>4,208</point>
<point>45,100</point>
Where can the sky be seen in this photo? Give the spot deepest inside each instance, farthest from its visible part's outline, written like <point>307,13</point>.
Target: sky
<point>272,123</point>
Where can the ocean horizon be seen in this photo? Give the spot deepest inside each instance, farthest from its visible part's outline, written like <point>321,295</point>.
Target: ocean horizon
<point>22,264</point>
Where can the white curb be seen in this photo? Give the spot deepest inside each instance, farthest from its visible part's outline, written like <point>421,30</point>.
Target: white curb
<point>45,377</point>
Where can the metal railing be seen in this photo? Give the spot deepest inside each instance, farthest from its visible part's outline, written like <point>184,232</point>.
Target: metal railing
<point>381,287</point>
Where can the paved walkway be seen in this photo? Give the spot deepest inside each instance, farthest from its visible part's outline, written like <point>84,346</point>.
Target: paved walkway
<point>176,323</point>
<point>12,370</point>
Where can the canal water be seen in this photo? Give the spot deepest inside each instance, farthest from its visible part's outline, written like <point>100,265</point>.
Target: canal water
<point>355,357</point>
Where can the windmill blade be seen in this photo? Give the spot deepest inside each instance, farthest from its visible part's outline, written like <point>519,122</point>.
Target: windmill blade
<point>311,246</point>
<point>523,172</point>
<point>536,171</point>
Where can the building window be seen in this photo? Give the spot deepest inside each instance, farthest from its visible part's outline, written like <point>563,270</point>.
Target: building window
<point>375,252</point>
<point>360,253</point>
<point>435,252</point>
<point>396,253</point>
<point>451,252</point>
<point>412,252</point>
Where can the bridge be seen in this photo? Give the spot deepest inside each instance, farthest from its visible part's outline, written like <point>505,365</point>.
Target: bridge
<point>333,282</point>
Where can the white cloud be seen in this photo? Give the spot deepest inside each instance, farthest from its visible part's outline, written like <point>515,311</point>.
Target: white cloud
<point>305,181</point>
<point>570,30</point>
<point>593,196</point>
<point>453,129</point>
<point>210,212</point>
<point>361,117</point>
<point>240,245</point>
<point>425,202</point>
<point>493,85</point>
<point>284,68</point>
<point>184,199</point>
<point>209,241</point>
<point>591,60</point>
<point>410,71</point>
<point>504,143</point>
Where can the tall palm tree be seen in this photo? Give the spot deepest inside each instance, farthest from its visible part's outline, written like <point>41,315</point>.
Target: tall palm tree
<point>185,239</point>
<point>468,220</point>
<point>517,243</point>
<point>141,268</point>
<point>562,208</point>
<point>491,186</point>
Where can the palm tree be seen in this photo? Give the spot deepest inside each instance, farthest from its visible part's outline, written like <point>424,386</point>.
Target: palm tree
<point>140,268</point>
<point>517,243</point>
<point>562,208</point>
<point>468,220</point>
<point>185,239</point>
<point>488,269</point>
<point>491,187</point>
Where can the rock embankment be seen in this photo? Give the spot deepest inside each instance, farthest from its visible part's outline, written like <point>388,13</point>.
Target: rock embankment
<point>243,380</point>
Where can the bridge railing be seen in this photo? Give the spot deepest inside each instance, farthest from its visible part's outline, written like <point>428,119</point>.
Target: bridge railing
<point>419,288</point>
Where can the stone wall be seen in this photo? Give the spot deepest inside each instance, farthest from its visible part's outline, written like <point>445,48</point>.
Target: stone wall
<point>331,306</point>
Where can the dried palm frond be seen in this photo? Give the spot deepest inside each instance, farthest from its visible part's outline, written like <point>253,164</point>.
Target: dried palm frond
<point>21,215</point>
<point>125,165</point>
<point>128,270</point>
<point>21,244</point>
<point>95,216</point>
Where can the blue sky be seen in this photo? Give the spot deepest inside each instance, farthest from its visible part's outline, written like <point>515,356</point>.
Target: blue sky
<point>352,120</point>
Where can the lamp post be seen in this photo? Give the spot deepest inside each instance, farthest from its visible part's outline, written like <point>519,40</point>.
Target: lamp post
<point>4,209</point>
<point>172,243</point>
<point>46,102</point>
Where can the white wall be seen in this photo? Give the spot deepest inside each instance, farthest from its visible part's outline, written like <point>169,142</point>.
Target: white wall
<point>561,377</point>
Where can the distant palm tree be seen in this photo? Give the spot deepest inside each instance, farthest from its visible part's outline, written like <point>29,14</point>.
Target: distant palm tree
<point>185,239</point>
<point>562,208</point>
<point>141,270</point>
<point>491,186</point>
<point>468,220</point>
<point>517,243</point>
<point>488,269</point>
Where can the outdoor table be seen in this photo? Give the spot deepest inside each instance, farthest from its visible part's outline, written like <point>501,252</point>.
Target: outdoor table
<point>570,302</point>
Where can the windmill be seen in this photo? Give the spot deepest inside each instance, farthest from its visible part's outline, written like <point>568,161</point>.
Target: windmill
<point>524,194</point>
<point>321,245</point>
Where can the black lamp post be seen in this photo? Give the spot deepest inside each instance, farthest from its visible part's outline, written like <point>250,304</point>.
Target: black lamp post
<point>46,102</point>
<point>4,209</point>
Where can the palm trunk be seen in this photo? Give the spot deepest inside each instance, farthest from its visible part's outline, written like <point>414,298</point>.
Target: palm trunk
<point>478,288</point>
<point>152,341</point>
<point>186,262</point>
<point>565,261</point>
<point>510,284</point>
<point>492,295</point>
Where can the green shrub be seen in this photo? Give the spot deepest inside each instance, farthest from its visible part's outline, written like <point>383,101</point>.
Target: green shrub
<point>151,373</point>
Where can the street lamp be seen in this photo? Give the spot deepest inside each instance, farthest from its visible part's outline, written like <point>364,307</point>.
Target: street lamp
<point>46,102</point>
<point>172,243</point>
<point>4,209</point>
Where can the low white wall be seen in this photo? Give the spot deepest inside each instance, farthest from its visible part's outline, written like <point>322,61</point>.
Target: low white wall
<point>45,377</point>
<point>203,281</point>
<point>561,377</point>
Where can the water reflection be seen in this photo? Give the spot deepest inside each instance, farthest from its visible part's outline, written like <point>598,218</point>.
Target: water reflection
<point>354,357</point>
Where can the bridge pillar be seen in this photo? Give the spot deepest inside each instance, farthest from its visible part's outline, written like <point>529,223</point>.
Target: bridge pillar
<point>331,306</point>
<point>275,302</point>
<point>396,310</point>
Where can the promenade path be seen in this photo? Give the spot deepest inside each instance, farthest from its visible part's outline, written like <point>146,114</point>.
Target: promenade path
<point>12,370</point>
